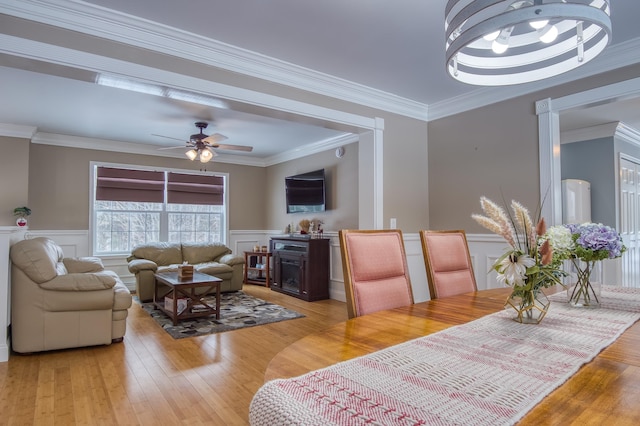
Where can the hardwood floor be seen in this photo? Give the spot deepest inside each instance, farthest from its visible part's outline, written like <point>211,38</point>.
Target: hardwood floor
<point>152,379</point>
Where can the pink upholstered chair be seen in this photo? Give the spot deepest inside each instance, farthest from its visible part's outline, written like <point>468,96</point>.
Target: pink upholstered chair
<point>448,263</point>
<point>376,276</point>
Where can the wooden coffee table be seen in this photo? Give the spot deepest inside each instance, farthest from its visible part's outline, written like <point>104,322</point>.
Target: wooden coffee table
<point>185,288</point>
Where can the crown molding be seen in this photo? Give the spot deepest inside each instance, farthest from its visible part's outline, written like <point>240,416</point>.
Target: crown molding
<point>116,26</point>
<point>615,129</point>
<point>77,142</point>
<point>589,133</point>
<point>312,148</point>
<point>17,131</point>
<point>620,55</point>
<point>628,134</point>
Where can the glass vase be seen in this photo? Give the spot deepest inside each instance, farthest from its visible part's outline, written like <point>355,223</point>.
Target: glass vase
<point>530,306</point>
<point>587,284</point>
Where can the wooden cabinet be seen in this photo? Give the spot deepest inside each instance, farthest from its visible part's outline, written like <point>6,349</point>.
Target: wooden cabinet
<point>301,267</point>
<point>257,267</point>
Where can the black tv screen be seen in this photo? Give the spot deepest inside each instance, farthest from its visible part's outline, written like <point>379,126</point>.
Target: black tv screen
<point>305,193</point>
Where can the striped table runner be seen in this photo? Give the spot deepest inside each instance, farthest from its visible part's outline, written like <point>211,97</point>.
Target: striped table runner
<point>491,371</point>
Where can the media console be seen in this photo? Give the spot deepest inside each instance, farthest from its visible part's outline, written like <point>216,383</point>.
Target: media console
<point>301,267</point>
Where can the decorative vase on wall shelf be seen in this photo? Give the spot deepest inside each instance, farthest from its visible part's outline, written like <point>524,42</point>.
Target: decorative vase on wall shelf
<point>21,222</point>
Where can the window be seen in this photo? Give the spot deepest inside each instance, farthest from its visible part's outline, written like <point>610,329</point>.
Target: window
<point>135,206</point>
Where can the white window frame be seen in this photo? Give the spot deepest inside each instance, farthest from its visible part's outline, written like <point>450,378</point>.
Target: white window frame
<point>93,165</point>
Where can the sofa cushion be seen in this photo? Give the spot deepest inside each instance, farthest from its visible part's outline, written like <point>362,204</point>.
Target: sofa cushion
<point>160,253</point>
<point>200,253</point>
<point>40,259</point>
<point>216,269</point>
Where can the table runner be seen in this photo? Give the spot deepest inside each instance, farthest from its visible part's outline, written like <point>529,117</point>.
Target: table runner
<point>490,371</point>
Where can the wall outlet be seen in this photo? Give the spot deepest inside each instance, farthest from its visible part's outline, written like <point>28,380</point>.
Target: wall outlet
<point>392,223</point>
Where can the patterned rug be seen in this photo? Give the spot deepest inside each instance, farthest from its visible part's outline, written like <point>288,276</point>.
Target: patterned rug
<point>237,310</point>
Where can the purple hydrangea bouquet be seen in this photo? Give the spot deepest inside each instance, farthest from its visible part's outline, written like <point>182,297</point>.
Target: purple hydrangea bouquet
<point>592,242</point>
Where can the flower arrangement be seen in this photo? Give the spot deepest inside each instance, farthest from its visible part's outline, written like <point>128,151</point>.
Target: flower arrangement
<point>595,241</point>
<point>589,243</point>
<point>530,263</point>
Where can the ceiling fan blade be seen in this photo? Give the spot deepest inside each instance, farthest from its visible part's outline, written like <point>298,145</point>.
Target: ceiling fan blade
<point>167,137</point>
<point>175,147</point>
<point>215,138</point>
<point>234,147</point>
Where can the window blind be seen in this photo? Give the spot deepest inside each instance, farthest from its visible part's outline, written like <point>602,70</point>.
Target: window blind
<point>129,185</point>
<point>195,189</point>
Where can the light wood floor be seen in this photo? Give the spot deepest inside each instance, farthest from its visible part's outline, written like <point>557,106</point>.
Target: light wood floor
<point>152,379</point>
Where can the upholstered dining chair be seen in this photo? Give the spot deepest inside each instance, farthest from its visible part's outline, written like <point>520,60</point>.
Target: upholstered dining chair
<point>448,263</point>
<point>376,276</point>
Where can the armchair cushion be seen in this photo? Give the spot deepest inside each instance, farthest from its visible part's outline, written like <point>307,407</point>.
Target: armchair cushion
<point>83,265</point>
<point>80,282</point>
<point>39,258</point>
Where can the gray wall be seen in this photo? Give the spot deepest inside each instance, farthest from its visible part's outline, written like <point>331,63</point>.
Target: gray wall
<point>14,178</point>
<point>492,151</point>
<point>341,191</point>
<point>596,161</point>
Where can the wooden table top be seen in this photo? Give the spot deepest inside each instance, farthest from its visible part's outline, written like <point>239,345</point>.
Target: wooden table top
<point>604,391</point>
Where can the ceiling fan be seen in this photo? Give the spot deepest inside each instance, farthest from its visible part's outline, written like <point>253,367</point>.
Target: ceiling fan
<point>201,145</point>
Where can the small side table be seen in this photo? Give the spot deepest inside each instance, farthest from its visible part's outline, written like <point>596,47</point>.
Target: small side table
<point>263,273</point>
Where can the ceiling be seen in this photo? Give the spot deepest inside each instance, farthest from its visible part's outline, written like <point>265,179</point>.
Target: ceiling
<point>387,49</point>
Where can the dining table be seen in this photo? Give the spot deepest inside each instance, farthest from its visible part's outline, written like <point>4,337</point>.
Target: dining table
<point>603,390</point>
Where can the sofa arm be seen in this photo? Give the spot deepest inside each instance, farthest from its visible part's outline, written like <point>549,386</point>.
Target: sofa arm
<point>83,265</point>
<point>232,259</point>
<point>80,282</point>
<point>137,265</point>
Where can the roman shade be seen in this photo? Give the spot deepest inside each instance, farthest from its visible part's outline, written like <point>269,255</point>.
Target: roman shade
<point>195,189</point>
<point>129,185</point>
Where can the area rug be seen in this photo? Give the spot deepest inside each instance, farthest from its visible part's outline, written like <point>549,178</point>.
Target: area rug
<point>237,310</point>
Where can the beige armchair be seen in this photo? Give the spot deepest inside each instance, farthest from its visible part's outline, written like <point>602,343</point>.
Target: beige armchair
<point>59,302</point>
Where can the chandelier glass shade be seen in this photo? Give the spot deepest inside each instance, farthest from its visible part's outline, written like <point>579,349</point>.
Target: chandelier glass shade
<point>499,43</point>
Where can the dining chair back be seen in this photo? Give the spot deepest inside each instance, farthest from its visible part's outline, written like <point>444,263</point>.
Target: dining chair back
<point>448,263</point>
<point>376,276</point>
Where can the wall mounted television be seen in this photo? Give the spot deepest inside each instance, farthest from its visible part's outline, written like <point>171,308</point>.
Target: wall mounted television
<point>305,193</point>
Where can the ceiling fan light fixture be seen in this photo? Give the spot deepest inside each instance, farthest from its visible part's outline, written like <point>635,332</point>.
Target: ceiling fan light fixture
<point>582,30</point>
<point>191,154</point>
<point>205,155</point>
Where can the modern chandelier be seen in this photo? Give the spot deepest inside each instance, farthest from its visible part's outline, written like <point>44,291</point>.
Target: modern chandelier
<point>499,43</point>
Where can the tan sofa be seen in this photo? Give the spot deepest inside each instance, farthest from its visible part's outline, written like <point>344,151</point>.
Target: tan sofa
<point>59,302</point>
<point>213,259</point>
